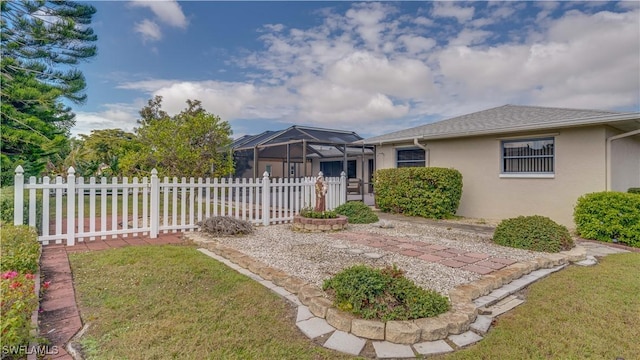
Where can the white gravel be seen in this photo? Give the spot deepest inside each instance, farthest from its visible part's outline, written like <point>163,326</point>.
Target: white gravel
<point>314,257</point>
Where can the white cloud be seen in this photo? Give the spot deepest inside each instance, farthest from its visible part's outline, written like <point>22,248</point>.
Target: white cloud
<point>372,71</point>
<point>448,9</point>
<point>149,30</point>
<point>168,12</point>
<point>116,116</point>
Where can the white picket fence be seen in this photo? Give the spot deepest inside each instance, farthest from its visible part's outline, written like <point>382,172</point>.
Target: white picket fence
<point>159,206</point>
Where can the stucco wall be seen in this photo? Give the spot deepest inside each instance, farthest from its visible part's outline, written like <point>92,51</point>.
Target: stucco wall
<point>625,162</point>
<point>579,169</point>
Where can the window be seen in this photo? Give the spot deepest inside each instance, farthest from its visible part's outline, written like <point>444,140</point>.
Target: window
<point>268,169</point>
<point>530,156</point>
<point>335,168</point>
<point>410,158</point>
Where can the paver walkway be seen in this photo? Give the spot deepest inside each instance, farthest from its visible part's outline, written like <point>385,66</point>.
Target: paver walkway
<point>60,320</point>
<point>471,261</point>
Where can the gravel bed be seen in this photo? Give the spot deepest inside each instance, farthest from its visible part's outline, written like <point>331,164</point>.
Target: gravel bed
<point>314,257</point>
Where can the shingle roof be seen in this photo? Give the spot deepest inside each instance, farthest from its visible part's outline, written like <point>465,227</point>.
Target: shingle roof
<point>503,119</point>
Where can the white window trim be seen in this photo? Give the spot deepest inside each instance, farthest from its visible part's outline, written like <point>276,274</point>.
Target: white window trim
<point>523,175</point>
<point>527,176</point>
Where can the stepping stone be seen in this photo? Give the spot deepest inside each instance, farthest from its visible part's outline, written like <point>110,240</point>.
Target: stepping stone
<point>466,338</point>
<point>505,305</point>
<point>294,299</point>
<point>482,324</point>
<point>303,313</point>
<point>433,347</point>
<point>355,251</point>
<point>386,350</point>
<point>485,300</point>
<point>314,327</point>
<point>340,246</point>
<point>589,261</point>
<point>281,291</point>
<point>373,255</point>
<point>345,342</point>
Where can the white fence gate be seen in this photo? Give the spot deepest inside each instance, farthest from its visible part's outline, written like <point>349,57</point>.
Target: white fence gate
<point>150,206</point>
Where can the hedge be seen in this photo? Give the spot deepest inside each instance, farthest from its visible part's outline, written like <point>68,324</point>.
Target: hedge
<point>429,192</point>
<point>609,215</point>
<point>537,233</point>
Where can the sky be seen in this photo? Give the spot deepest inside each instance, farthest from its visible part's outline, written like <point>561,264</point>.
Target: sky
<point>368,67</point>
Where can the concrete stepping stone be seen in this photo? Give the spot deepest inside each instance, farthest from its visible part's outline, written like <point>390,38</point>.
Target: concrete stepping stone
<point>464,339</point>
<point>387,350</point>
<point>482,324</point>
<point>340,246</point>
<point>355,251</point>
<point>345,342</point>
<point>314,327</point>
<point>373,255</point>
<point>433,347</point>
<point>589,261</point>
<point>505,305</point>
<point>303,313</point>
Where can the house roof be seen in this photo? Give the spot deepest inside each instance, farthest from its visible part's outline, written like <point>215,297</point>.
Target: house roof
<point>295,134</point>
<point>510,118</point>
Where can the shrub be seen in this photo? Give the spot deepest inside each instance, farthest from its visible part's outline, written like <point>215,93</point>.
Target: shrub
<point>357,212</point>
<point>634,190</point>
<point>226,226</point>
<point>428,192</point>
<point>19,301</point>
<point>609,215</point>
<point>20,249</point>
<point>383,294</point>
<point>310,213</point>
<point>537,233</point>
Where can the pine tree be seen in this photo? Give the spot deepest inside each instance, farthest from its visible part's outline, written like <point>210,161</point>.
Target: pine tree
<point>41,44</point>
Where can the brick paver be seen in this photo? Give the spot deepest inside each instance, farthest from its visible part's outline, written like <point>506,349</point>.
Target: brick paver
<point>477,269</point>
<point>490,264</point>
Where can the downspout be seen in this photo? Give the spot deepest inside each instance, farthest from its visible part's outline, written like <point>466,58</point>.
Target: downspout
<point>608,150</point>
<point>426,151</point>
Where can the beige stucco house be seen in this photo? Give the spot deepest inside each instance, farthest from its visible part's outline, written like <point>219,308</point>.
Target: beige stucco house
<point>523,160</point>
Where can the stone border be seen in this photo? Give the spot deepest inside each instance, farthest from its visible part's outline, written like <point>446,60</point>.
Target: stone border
<point>466,300</point>
<point>303,224</point>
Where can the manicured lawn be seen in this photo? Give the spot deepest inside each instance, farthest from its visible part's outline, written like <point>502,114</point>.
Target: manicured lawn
<point>162,302</point>
<point>577,313</point>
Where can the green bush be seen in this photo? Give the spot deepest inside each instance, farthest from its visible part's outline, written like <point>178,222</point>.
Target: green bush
<point>609,215</point>
<point>537,233</point>
<point>18,264</point>
<point>634,190</point>
<point>383,294</point>
<point>225,226</point>
<point>310,213</point>
<point>357,212</point>
<point>20,249</point>
<point>19,301</point>
<point>428,192</point>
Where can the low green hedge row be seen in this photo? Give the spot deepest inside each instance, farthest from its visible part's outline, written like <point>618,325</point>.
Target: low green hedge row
<point>609,215</point>
<point>429,192</point>
<point>19,262</point>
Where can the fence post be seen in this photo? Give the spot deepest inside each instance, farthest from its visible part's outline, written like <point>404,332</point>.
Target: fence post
<point>71,206</point>
<point>343,188</point>
<point>265,199</point>
<point>154,212</point>
<point>18,197</point>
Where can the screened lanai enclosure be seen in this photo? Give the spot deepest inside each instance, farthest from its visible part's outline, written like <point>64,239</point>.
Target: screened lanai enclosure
<point>301,151</point>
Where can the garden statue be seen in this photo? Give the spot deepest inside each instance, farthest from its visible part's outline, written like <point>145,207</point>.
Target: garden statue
<point>321,192</point>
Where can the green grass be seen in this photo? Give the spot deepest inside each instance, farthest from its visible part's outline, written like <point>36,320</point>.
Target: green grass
<point>577,313</point>
<point>172,302</point>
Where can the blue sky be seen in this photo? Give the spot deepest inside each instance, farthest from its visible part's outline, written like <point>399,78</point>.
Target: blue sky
<point>372,67</point>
